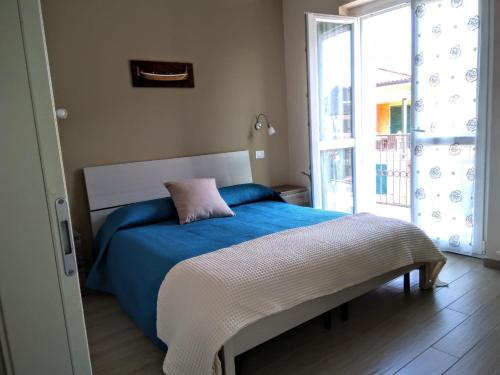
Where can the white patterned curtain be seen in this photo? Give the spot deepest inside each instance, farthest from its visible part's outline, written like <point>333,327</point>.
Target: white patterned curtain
<point>445,108</point>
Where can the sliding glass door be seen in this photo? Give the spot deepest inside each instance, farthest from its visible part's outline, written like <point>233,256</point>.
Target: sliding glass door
<point>442,159</point>
<point>448,129</point>
<point>331,110</point>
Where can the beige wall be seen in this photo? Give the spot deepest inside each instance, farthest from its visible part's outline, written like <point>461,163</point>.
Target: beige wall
<point>237,50</point>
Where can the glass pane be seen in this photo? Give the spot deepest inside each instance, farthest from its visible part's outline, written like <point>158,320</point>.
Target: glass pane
<point>334,80</point>
<point>386,99</point>
<point>336,180</point>
<point>446,88</point>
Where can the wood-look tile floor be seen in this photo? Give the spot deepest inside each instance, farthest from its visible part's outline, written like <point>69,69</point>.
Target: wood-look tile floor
<point>452,330</point>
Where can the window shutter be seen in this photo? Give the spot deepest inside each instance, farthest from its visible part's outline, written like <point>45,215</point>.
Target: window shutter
<point>396,119</point>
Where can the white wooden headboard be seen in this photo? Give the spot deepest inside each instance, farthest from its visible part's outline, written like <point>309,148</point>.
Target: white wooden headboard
<point>112,186</point>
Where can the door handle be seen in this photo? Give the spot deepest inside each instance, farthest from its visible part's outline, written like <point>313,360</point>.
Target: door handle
<point>419,130</point>
<point>66,237</point>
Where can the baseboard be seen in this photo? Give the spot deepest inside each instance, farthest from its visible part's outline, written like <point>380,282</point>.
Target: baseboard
<point>492,263</point>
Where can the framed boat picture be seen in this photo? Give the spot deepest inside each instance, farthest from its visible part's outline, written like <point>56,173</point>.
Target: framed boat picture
<point>161,74</point>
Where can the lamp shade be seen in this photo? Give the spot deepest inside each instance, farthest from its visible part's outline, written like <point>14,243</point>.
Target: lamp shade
<point>271,130</point>
<point>258,124</point>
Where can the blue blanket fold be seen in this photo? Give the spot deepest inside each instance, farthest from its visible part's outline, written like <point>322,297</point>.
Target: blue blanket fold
<point>141,242</point>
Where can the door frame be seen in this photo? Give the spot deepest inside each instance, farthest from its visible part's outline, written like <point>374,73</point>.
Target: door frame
<point>370,7</point>
<point>485,117</point>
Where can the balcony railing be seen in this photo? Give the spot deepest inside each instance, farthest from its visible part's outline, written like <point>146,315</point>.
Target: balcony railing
<point>393,169</point>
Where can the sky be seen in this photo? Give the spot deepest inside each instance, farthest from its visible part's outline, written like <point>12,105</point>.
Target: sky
<point>391,34</point>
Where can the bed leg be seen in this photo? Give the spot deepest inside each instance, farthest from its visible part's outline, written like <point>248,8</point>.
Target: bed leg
<point>228,364</point>
<point>424,278</point>
<point>344,311</point>
<point>327,319</point>
<point>407,283</point>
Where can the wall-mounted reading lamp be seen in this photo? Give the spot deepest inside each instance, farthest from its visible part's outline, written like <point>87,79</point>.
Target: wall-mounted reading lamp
<point>258,124</point>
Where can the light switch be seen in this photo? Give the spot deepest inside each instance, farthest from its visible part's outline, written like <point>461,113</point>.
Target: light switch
<point>260,154</point>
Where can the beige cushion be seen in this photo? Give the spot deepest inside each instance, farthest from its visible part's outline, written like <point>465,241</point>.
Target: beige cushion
<point>197,199</point>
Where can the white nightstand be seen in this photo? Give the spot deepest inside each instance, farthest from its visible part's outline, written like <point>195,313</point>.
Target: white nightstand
<point>298,195</point>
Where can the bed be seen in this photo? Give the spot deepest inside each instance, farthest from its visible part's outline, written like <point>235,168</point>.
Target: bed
<point>139,240</point>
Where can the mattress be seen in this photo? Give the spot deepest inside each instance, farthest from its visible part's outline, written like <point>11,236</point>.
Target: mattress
<point>221,292</point>
<point>140,243</point>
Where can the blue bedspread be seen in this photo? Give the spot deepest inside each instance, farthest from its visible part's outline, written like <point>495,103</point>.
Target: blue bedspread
<point>141,242</point>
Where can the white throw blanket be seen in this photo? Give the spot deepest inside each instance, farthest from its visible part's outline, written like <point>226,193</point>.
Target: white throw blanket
<point>206,300</point>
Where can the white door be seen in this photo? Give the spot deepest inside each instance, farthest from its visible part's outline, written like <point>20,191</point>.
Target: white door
<point>331,70</point>
<point>449,123</point>
<point>42,329</point>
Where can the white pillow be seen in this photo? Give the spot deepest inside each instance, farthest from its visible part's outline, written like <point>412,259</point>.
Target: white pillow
<point>197,199</point>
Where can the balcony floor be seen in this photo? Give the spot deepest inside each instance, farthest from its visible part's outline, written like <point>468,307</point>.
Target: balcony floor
<point>395,212</point>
